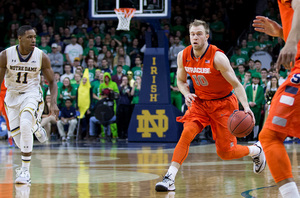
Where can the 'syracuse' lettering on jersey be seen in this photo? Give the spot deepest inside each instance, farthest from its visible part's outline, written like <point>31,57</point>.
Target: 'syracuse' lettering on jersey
<point>23,75</point>
<point>208,82</point>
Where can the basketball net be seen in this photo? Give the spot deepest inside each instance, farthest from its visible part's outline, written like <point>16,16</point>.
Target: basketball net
<point>124,15</point>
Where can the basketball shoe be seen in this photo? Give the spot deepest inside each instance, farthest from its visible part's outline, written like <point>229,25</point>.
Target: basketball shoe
<point>22,176</point>
<point>22,190</point>
<point>39,132</point>
<point>259,160</point>
<point>166,184</point>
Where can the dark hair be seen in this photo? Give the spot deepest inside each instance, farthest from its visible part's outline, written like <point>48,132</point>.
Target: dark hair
<point>69,99</point>
<point>23,29</point>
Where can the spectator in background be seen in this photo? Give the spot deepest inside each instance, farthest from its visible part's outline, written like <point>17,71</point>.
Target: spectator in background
<point>255,95</point>
<point>121,61</point>
<point>44,45</point>
<point>124,108</point>
<point>135,91</point>
<point>173,51</point>
<point>75,82</point>
<point>56,59</point>
<point>104,66</point>
<point>67,73</point>
<point>91,68</point>
<point>90,46</point>
<point>176,96</point>
<point>133,51</point>
<point>251,43</point>
<point>101,55</point>
<point>241,72</point>
<point>270,92</point>
<point>67,117</point>
<point>91,55</point>
<point>47,118</point>
<point>264,78</point>
<point>244,49</point>
<point>105,101</point>
<point>108,83</point>
<point>217,28</point>
<point>57,40</point>
<point>67,36</point>
<point>98,43</point>
<point>118,76</point>
<point>257,65</point>
<point>110,59</point>
<point>251,66</point>
<point>73,50</point>
<point>121,52</point>
<point>237,59</point>
<point>67,92</point>
<point>137,70</point>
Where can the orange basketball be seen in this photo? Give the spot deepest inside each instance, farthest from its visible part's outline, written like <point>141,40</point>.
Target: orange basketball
<point>240,124</point>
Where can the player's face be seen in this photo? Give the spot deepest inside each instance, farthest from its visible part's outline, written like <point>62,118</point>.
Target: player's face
<point>28,40</point>
<point>198,37</point>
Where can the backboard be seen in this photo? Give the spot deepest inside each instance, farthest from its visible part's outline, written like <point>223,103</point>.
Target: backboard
<point>145,9</point>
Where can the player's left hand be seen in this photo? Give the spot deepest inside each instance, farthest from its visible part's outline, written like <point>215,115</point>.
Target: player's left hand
<point>248,110</point>
<point>54,110</point>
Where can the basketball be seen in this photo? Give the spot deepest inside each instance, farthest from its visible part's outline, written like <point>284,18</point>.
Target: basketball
<point>240,124</point>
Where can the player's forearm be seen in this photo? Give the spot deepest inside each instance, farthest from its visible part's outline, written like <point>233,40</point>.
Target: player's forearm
<point>182,86</point>
<point>53,92</point>
<point>241,95</point>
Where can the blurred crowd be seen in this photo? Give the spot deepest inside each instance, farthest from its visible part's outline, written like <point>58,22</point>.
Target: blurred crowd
<point>96,65</point>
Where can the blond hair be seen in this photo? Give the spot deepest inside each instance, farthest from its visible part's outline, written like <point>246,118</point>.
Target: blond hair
<point>197,22</point>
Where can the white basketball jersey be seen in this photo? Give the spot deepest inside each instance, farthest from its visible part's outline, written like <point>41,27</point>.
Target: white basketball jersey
<point>23,75</point>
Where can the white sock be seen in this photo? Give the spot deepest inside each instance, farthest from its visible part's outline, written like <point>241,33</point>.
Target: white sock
<point>26,161</point>
<point>289,190</point>
<point>253,150</point>
<point>172,172</point>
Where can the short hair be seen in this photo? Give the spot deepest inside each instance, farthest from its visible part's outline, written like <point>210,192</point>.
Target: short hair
<point>257,61</point>
<point>264,69</point>
<point>197,22</point>
<point>21,31</point>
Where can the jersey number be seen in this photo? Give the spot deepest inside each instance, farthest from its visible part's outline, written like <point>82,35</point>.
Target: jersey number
<point>200,80</point>
<point>19,78</point>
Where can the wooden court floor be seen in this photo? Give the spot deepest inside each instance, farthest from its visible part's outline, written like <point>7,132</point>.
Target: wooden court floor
<point>98,169</point>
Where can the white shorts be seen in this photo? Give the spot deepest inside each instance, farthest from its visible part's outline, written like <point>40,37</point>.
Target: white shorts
<point>17,102</point>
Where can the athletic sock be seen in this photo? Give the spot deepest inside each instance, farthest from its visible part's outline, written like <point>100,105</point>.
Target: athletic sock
<point>253,150</point>
<point>26,161</point>
<point>289,190</point>
<point>172,172</point>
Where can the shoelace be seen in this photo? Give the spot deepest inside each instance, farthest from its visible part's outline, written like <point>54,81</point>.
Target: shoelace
<point>166,178</point>
<point>256,161</point>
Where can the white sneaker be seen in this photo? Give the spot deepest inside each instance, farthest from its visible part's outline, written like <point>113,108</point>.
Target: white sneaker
<point>166,184</point>
<point>259,160</point>
<point>22,190</point>
<point>39,132</point>
<point>22,176</point>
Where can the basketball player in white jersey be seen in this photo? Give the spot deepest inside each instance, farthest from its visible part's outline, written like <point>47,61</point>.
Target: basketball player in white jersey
<point>21,65</point>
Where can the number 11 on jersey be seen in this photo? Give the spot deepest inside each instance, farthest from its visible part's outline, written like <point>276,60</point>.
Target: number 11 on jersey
<point>19,74</point>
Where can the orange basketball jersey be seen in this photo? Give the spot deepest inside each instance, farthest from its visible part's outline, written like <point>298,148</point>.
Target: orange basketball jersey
<point>208,82</point>
<point>286,13</point>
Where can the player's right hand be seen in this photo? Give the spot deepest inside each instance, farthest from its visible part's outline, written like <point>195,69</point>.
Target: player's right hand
<point>287,56</point>
<point>189,98</point>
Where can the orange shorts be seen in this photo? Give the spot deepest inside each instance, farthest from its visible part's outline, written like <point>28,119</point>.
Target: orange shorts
<point>284,114</point>
<point>216,114</point>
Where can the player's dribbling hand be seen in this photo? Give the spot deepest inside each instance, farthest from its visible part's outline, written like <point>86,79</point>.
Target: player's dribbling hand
<point>54,110</point>
<point>189,98</point>
<point>248,110</point>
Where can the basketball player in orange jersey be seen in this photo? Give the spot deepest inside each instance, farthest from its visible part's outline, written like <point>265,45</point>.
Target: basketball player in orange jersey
<point>212,104</point>
<point>284,114</point>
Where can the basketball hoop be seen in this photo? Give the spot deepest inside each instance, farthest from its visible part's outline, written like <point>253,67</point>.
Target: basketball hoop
<point>124,15</point>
